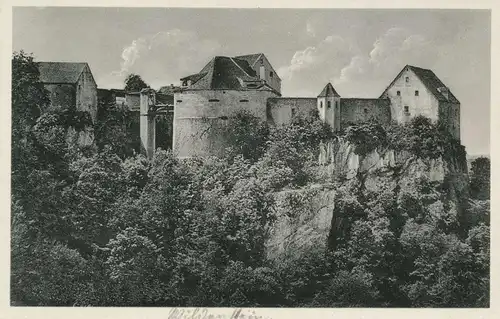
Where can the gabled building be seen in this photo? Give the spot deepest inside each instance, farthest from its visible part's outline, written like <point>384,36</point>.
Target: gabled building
<point>70,85</point>
<point>416,91</point>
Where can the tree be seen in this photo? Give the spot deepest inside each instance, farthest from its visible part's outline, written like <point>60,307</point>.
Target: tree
<point>480,179</point>
<point>134,83</point>
<point>29,98</point>
<point>247,135</point>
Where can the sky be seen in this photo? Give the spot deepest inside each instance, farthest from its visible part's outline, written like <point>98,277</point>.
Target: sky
<point>359,51</point>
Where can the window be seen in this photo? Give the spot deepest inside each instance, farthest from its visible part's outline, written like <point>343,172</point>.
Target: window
<point>223,117</point>
<point>293,112</point>
<point>329,104</point>
<point>213,100</point>
<point>416,93</point>
<point>271,74</point>
<point>398,93</point>
<point>407,79</point>
<point>321,104</point>
<point>244,100</point>
<point>407,110</point>
<point>365,110</point>
<point>179,101</point>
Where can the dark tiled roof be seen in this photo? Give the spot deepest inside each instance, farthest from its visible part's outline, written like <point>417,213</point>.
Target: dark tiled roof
<point>60,72</point>
<point>250,58</point>
<point>222,73</point>
<point>164,98</point>
<point>433,83</point>
<point>328,91</point>
<point>168,89</point>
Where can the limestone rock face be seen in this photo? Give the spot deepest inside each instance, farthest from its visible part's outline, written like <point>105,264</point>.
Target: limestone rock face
<point>303,221</point>
<point>305,216</point>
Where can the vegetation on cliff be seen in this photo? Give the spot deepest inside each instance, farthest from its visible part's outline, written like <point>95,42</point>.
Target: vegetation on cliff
<point>107,227</point>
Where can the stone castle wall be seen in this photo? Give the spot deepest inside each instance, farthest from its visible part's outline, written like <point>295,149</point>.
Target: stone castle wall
<point>449,114</point>
<point>86,94</point>
<point>61,95</point>
<point>281,110</point>
<point>354,111</point>
<point>200,115</point>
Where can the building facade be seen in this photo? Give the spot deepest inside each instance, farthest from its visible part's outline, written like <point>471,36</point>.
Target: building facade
<point>416,91</point>
<point>70,85</point>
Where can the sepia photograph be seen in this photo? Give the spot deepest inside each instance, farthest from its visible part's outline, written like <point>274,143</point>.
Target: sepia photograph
<point>250,158</point>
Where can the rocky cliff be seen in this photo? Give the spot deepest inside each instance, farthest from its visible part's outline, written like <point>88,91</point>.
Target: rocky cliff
<point>311,218</point>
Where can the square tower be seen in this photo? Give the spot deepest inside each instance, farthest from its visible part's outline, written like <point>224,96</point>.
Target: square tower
<point>328,104</point>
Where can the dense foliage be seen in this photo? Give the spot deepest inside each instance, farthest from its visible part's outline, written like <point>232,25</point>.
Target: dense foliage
<point>134,83</point>
<point>480,178</point>
<point>107,227</point>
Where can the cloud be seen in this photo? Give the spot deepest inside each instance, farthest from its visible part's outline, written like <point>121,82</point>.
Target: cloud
<point>164,57</point>
<point>367,74</point>
<point>315,65</point>
<point>352,71</point>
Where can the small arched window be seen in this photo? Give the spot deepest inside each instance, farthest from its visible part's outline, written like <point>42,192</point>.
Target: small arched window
<point>321,104</point>
<point>365,110</point>
<point>398,93</point>
<point>329,104</point>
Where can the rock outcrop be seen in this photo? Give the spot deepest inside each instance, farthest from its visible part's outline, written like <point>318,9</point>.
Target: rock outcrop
<point>305,217</point>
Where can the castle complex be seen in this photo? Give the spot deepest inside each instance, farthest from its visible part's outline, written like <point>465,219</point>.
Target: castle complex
<point>227,85</point>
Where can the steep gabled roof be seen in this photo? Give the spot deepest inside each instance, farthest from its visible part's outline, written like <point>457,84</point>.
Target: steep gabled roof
<point>328,91</point>
<point>60,72</point>
<point>223,73</point>
<point>250,58</point>
<point>431,82</point>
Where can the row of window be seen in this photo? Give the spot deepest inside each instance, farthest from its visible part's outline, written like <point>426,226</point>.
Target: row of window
<point>329,104</point>
<point>398,93</point>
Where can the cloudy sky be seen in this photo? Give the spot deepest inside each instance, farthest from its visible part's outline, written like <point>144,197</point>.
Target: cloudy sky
<point>359,51</point>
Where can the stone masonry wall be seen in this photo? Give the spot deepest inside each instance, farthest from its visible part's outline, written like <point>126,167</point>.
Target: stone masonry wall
<point>199,115</point>
<point>281,110</point>
<point>86,94</point>
<point>362,110</point>
<point>61,95</point>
